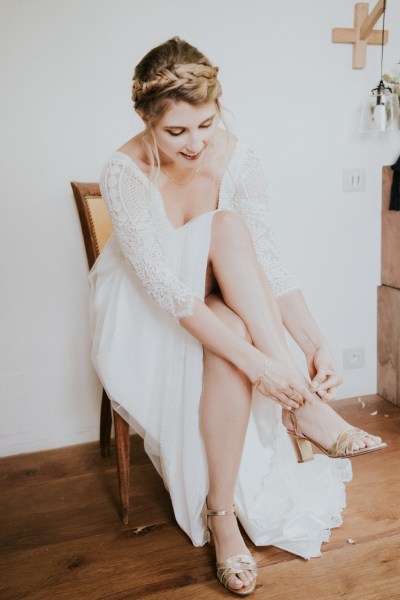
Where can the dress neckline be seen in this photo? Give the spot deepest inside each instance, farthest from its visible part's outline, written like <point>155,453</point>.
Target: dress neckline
<point>151,184</point>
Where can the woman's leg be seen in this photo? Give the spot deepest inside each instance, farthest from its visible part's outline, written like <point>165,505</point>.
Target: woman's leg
<point>246,290</point>
<point>224,415</point>
<point>249,307</point>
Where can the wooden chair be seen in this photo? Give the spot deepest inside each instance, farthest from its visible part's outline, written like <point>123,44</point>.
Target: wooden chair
<point>96,229</point>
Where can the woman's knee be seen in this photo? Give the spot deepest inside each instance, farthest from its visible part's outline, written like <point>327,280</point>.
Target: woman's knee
<point>228,317</point>
<point>228,226</point>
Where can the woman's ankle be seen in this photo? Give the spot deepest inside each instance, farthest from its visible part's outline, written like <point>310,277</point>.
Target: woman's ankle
<point>218,501</point>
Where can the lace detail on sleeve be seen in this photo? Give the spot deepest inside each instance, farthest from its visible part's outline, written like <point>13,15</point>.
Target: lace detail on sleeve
<point>252,205</point>
<point>128,204</point>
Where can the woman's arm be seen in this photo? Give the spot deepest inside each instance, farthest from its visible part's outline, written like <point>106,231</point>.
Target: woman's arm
<point>204,325</point>
<point>299,322</point>
<point>251,203</point>
<point>127,201</point>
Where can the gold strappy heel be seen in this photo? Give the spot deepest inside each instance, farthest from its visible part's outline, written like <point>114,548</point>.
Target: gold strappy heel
<point>342,448</point>
<point>234,565</point>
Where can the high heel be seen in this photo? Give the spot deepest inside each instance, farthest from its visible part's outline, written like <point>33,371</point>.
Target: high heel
<point>302,447</point>
<point>342,448</point>
<point>234,565</point>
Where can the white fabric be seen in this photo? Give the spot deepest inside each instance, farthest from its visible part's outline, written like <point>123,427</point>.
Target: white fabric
<point>152,368</point>
<point>139,220</point>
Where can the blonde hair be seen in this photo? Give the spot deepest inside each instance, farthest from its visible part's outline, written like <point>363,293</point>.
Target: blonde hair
<point>172,72</point>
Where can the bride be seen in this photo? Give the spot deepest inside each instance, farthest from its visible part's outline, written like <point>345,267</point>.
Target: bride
<point>189,302</point>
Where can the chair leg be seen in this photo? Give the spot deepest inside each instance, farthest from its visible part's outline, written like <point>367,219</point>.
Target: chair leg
<point>122,443</point>
<point>105,425</point>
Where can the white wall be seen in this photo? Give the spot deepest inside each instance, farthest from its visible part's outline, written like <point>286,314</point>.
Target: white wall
<point>65,104</point>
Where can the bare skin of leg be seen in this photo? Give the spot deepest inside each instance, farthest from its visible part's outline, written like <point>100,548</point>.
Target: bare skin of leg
<point>249,307</point>
<point>224,415</point>
<point>246,290</point>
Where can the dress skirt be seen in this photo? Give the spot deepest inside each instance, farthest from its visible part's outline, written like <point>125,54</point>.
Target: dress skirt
<point>152,370</point>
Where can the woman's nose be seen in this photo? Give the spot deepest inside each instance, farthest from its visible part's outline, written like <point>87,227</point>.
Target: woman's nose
<point>194,143</point>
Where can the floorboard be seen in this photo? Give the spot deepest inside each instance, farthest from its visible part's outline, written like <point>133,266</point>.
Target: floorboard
<point>61,537</point>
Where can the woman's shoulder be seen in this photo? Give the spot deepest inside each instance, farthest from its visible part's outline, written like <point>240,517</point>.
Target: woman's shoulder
<point>246,158</point>
<point>135,151</point>
<point>236,148</point>
<point>225,138</point>
<point>229,151</point>
<point>127,155</point>
<point>121,172</point>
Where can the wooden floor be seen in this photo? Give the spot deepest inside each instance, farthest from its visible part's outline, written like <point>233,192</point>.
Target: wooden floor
<point>61,537</point>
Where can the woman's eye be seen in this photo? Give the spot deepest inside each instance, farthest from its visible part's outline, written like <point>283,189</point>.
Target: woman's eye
<point>175,133</point>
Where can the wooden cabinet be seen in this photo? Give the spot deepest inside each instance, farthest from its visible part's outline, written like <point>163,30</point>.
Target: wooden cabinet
<point>389,299</point>
<point>389,343</point>
<point>390,256</point>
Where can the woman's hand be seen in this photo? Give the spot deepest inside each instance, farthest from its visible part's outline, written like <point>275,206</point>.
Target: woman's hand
<point>323,372</point>
<point>276,382</point>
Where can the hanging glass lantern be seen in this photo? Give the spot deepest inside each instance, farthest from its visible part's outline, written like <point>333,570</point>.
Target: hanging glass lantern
<point>381,110</point>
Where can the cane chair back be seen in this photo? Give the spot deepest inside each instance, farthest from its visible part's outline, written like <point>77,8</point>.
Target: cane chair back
<point>95,221</point>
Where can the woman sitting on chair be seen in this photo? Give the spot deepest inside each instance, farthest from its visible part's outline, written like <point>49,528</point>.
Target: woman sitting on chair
<point>189,304</point>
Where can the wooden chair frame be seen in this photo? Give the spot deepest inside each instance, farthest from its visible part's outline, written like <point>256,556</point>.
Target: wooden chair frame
<point>86,194</point>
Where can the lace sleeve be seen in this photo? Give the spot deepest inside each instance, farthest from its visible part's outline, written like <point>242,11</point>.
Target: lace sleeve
<point>127,202</point>
<point>252,205</point>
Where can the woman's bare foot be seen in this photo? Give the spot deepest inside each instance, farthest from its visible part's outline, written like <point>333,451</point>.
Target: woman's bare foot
<point>229,542</point>
<point>321,423</point>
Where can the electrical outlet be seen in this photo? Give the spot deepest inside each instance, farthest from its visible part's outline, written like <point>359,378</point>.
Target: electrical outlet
<point>354,180</point>
<point>354,358</point>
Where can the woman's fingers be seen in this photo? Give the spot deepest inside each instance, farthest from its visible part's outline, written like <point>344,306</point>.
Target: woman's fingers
<point>327,390</point>
<point>296,394</point>
<point>279,385</point>
<point>331,380</point>
<point>307,394</point>
<point>327,396</point>
<point>296,397</point>
<point>287,400</point>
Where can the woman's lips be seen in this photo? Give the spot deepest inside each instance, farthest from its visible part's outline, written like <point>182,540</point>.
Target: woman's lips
<point>191,156</point>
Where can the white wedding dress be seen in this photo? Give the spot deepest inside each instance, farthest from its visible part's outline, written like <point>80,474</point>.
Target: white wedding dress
<point>144,280</point>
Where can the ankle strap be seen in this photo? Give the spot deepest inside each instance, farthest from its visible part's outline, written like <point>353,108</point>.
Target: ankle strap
<point>221,513</point>
<point>295,424</point>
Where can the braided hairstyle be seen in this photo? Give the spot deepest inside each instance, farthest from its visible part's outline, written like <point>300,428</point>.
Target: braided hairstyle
<point>173,71</point>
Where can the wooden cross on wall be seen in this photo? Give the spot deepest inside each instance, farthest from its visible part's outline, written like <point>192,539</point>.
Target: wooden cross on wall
<point>362,32</point>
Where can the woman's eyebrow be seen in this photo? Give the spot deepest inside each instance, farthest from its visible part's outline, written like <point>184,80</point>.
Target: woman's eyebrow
<point>183,127</point>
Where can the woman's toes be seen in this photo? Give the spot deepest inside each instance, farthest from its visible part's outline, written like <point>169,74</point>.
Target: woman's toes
<point>241,580</point>
<point>244,578</point>
<point>249,576</point>
<point>368,441</point>
<point>235,583</point>
<point>372,440</point>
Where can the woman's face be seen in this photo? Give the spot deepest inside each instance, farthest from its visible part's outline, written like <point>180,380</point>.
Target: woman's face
<point>184,132</point>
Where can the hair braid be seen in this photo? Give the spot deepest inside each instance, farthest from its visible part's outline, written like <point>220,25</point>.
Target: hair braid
<point>172,78</point>
<point>173,71</point>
